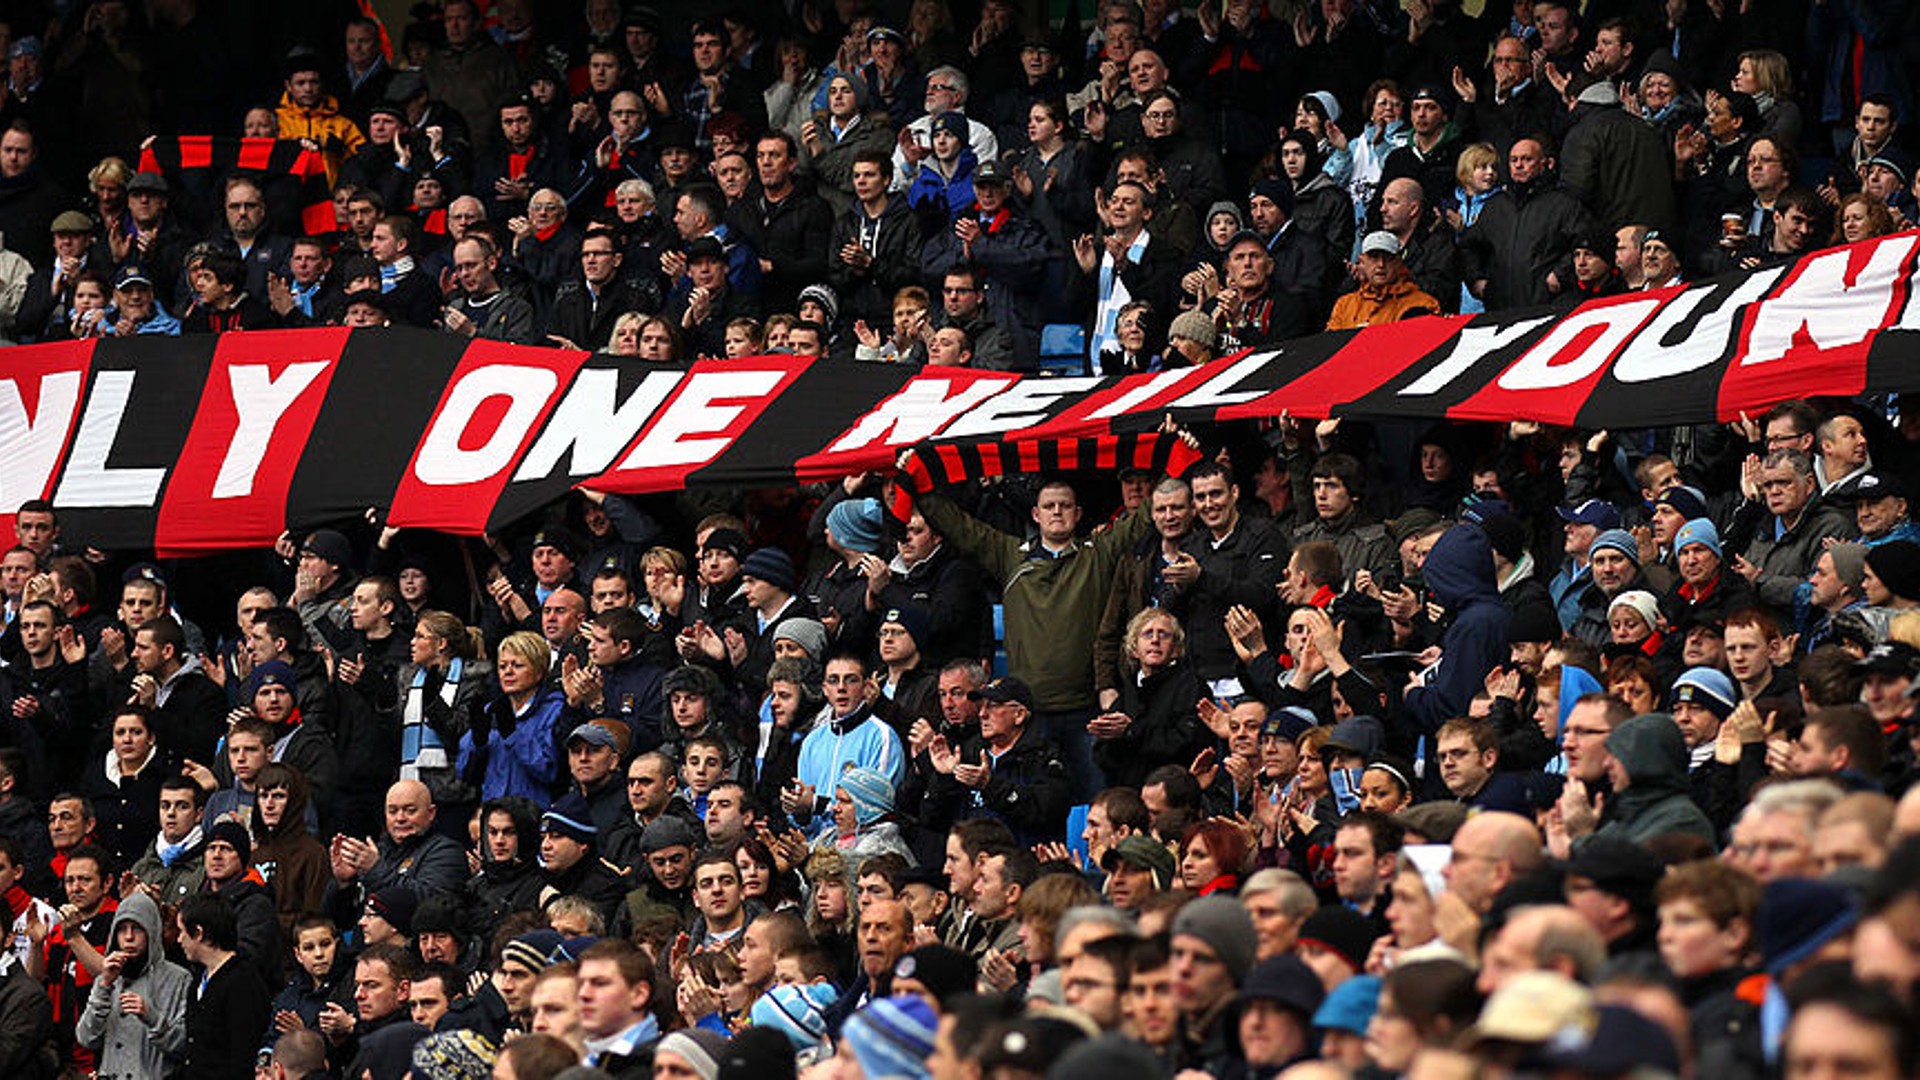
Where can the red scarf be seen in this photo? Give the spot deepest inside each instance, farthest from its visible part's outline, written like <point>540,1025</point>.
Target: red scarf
<point>517,163</point>
<point>1226,883</point>
<point>1694,596</point>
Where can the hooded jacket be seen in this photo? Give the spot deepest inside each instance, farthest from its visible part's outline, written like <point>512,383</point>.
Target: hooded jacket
<point>502,888</point>
<point>127,1046</point>
<point>292,860</point>
<point>1654,756</point>
<point>894,239</point>
<point>1322,208</point>
<point>1459,574</point>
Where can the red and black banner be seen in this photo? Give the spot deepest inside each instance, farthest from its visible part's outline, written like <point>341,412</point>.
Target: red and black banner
<point>220,155</point>
<point>198,444</point>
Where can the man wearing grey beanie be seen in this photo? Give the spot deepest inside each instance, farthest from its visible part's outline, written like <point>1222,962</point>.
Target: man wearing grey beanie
<point>1213,946</point>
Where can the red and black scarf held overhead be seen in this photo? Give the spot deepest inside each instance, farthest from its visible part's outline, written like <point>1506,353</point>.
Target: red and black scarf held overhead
<point>205,443</point>
<point>268,157</point>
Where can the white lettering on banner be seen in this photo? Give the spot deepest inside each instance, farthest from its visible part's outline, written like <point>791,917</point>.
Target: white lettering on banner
<point>693,430</point>
<point>1648,357</point>
<point>30,445</point>
<point>1219,391</point>
<point>585,424</point>
<point>1153,386</point>
<point>1470,346</point>
<point>1909,318</point>
<point>1544,368</point>
<point>88,482</point>
<point>443,462</point>
<point>918,411</point>
<point>259,401</point>
<point>1023,405</point>
<point>1820,300</point>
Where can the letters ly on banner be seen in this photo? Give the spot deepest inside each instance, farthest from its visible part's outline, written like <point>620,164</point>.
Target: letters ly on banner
<point>200,444</point>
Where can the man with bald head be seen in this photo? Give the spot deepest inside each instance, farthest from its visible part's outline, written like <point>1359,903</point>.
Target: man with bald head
<point>1491,850</point>
<point>463,214</point>
<point>1545,937</point>
<point>1425,245</point>
<point>410,853</point>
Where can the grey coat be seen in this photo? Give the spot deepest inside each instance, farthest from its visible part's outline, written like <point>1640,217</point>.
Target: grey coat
<point>133,1047</point>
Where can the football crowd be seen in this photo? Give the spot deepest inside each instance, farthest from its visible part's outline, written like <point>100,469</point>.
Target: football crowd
<point>1352,750</point>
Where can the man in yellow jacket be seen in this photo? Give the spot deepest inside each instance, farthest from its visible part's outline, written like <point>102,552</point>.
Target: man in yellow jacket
<point>1387,292</point>
<point>308,113</point>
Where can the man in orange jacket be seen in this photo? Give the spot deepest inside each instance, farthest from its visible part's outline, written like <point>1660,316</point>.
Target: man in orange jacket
<point>308,113</point>
<point>1387,292</point>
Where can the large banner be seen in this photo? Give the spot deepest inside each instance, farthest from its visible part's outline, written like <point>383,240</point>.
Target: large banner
<point>201,444</point>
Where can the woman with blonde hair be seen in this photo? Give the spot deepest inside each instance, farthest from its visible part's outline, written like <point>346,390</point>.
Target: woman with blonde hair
<point>108,183</point>
<point>1478,171</point>
<point>830,908</point>
<point>1768,76</point>
<point>625,339</point>
<point>510,749</point>
<point>446,671</point>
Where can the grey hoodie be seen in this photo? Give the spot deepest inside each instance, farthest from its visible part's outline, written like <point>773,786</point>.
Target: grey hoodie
<point>132,1047</point>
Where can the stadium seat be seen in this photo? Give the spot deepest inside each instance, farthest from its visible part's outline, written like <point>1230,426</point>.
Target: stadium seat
<point>1063,349</point>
